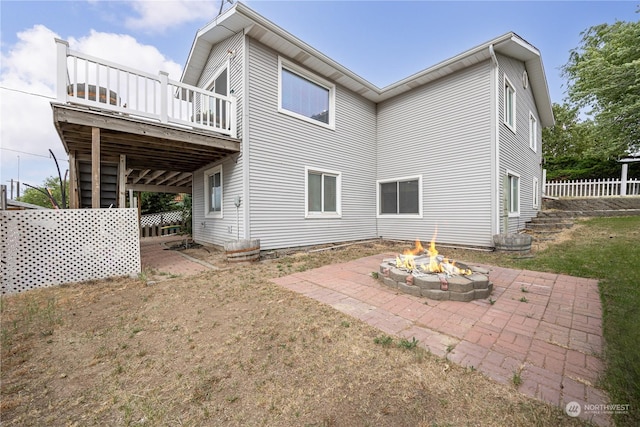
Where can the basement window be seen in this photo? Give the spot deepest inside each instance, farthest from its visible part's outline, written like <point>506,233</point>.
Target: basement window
<point>323,193</point>
<point>513,193</point>
<point>400,197</point>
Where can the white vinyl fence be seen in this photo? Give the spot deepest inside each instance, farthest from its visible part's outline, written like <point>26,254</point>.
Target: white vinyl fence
<point>41,248</point>
<point>591,188</point>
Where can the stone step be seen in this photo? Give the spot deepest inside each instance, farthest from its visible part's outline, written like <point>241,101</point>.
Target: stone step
<point>542,226</point>
<point>543,232</point>
<point>550,219</point>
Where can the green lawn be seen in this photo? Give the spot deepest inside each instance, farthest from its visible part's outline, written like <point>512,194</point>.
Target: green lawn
<point>607,249</point>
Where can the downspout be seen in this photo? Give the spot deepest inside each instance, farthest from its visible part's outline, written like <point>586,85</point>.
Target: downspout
<point>246,203</point>
<point>495,146</point>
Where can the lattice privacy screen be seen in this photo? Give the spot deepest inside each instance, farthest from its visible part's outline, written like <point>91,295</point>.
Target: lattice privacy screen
<point>49,247</point>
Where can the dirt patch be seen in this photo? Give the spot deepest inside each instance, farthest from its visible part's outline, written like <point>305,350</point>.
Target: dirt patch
<point>228,347</point>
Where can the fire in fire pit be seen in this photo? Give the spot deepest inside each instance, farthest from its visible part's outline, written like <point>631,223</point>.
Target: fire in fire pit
<point>423,272</point>
<point>414,260</point>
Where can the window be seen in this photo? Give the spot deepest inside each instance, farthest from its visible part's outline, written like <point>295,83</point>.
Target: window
<point>214,110</point>
<point>533,132</point>
<point>305,96</point>
<point>323,194</point>
<point>400,197</point>
<point>536,192</point>
<point>509,104</point>
<point>513,193</point>
<point>213,192</point>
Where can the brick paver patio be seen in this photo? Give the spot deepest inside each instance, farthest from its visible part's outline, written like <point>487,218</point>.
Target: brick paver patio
<point>553,340</point>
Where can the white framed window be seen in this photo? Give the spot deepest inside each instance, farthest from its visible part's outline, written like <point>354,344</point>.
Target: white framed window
<point>513,193</point>
<point>323,191</point>
<point>533,132</point>
<point>213,191</point>
<point>400,197</point>
<point>509,104</point>
<point>304,95</point>
<point>536,193</point>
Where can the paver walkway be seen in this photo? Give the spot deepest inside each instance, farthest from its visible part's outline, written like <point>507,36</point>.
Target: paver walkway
<point>554,339</point>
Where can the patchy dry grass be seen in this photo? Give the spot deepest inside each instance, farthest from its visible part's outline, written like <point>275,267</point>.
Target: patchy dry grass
<point>230,348</point>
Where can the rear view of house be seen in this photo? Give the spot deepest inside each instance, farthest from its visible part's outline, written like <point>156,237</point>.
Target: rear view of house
<point>308,152</point>
<point>326,156</point>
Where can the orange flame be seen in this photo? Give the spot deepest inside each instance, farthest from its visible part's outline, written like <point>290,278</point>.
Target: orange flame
<point>436,264</point>
<point>408,259</point>
<point>417,250</point>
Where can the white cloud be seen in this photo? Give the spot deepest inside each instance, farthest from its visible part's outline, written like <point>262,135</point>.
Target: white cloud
<point>158,16</point>
<point>27,78</point>
<point>126,50</point>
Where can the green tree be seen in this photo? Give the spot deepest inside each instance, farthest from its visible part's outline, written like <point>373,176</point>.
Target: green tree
<point>36,197</point>
<point>603,75</point>
<point>158,202</point>
<point>569,137</point>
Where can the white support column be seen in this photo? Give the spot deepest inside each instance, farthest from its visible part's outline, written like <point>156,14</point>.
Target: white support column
<point>232,118</point>
<point>164,97</point>
<point>544,182</point>
<point>62,48</point>
<point>623,179</point>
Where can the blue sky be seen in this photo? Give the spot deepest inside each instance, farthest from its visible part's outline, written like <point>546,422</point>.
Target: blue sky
<point>382,41</point>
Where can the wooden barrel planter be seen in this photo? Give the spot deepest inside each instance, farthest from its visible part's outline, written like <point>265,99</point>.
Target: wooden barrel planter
<point>81,92</point>
<point>242,250</point>
<point>520,243</point>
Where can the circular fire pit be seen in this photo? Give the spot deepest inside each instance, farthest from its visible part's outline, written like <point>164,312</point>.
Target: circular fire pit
<point>437,286</point>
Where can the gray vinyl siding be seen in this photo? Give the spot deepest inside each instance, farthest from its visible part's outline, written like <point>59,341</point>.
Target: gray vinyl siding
<point>515,153</point>
<point>217,231</point>
<point>281,147</point>
<point>441,131</point>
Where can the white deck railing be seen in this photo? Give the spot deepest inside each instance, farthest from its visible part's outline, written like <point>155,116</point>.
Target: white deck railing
<point>87,80</point>
<point>591,188</point>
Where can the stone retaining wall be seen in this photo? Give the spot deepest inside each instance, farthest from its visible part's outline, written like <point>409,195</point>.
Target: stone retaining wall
<point>591,204</point>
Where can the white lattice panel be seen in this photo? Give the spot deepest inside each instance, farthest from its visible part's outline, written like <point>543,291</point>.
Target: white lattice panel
<point>49,247</point>
<point>161,218</point>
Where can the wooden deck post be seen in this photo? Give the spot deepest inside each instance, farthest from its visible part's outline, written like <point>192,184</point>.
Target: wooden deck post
<point>122,181</point>
<point>95,168</point>
<point>73,182</point>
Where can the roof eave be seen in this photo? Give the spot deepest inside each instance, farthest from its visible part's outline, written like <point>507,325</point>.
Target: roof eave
<point>208,36</point>
<point>517,47</point>
<point>241,17</point>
